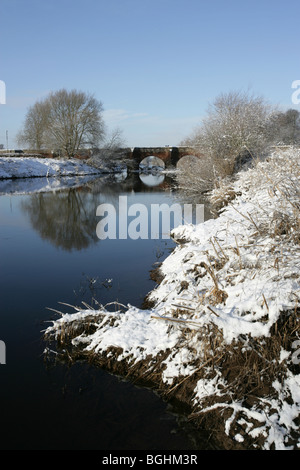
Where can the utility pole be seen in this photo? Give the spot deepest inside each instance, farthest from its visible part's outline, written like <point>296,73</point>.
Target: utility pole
<point>7,141</point>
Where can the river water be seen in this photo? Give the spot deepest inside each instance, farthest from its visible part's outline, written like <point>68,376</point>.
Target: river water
<point>50,253</point>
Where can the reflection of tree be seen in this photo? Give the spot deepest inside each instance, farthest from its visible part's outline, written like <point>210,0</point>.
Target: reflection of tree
<point>66,218</point>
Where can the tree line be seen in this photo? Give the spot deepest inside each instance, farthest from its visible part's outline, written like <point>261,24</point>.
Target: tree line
<point>237,124</point>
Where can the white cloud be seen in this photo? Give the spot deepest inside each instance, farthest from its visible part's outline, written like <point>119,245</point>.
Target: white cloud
<point>113,116</point>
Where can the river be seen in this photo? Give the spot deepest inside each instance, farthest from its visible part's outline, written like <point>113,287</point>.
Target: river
<point>50,253</point>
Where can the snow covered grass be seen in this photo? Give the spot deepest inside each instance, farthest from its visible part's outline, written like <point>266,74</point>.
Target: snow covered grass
<point>29,167</point>
<point>223,333</point>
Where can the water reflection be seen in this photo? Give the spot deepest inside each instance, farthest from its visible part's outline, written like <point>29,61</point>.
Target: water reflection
<point>152,180</point>
<point>67,217</point>
<point>34,185</point>
<point>74,266</point>
<point>41,185</point>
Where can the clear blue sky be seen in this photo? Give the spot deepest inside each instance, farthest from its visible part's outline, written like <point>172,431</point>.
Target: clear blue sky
<point>154,64</point>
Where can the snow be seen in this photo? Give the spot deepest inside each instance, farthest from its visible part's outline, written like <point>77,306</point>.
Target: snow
<point>29,167</point>
<point>242,270</point>
<point>135,334</point>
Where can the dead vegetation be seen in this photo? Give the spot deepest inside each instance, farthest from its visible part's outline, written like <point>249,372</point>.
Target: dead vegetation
<point>244,371</point>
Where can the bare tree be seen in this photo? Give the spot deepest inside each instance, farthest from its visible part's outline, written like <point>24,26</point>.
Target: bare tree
<point>114,141</point>
<point>36,123</point>
<point>112,151</point>
<point>237,127</point>
<point>194,176</point>
<point>236,123</point>
<point>64,120</point>
<point>285,126</point>
<point>74,121</point>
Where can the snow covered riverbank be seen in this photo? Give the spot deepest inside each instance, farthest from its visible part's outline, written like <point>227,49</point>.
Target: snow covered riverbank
<point>29,167</point>
<point>222,334</point>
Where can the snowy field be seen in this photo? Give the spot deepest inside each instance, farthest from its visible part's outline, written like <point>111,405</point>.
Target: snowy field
<point>29,167</point>
<point>230,289</point>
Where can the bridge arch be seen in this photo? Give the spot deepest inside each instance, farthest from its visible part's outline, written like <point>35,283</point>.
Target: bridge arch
<point>151,162</point>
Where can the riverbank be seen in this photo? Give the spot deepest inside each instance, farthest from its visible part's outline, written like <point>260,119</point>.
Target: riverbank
<point>222,335</point>
<point>34,167</point>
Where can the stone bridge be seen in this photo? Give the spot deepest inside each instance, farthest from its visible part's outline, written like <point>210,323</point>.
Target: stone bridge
<point>169,155</point>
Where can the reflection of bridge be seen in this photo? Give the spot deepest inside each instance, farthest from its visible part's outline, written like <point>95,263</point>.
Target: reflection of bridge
<point>169,155</point>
